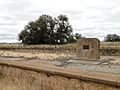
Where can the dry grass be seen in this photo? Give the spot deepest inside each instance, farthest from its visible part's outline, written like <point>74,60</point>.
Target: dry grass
<point>53,52</point>
<point>117,61</point>
<point>113,45</point>
<point>110,45</point>
<point>18,79</point>
<point>37,55</point>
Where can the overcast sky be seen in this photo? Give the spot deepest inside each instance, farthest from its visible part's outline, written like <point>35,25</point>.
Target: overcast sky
<point>91,18</point>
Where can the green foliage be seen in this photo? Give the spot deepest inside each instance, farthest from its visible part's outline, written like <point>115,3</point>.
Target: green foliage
<point>112,38</point>
<point>78,36</point>
<point>72,39</point>
<point>46,30</point>
<point>63,29</point>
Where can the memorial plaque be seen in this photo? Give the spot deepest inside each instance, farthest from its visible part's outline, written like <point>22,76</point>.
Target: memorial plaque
<point>89,48</point>
<point>85,47</point>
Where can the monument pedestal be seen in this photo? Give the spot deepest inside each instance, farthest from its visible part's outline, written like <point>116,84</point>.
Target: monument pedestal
<point>88,48</point>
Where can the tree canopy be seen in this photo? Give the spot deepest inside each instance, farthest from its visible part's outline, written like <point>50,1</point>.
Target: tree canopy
<point>112,38</point>
<point>47,30</point>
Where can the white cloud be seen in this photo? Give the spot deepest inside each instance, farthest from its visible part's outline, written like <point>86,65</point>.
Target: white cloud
<point>92,18</point>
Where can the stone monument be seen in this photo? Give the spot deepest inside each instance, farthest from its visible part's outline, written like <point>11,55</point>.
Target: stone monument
<point>88,48</point>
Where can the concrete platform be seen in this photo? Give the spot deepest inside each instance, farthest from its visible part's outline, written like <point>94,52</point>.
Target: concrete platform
<point>101,71</point>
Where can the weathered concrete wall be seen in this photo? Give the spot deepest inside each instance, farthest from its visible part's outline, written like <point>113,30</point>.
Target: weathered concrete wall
<point>88,48</point>
<point>13,77</point>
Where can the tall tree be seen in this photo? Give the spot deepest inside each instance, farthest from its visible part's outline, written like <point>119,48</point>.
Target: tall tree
<point>63,29</point>
<point>46,30</point>
<point>38,32</point>
<point>28,35</point>
<point>46,25</point>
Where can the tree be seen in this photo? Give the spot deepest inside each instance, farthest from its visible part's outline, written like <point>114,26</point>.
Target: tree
<point>46,30</point>
<point>78,36</point>
<point>112,38</point>
<point>24,36</point>
<point>63,29</point>
<point>38,32</point>
<point>46,25</point>
<point>72,39</point>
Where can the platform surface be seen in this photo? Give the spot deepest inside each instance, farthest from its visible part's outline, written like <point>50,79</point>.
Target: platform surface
<point>105,70</point>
